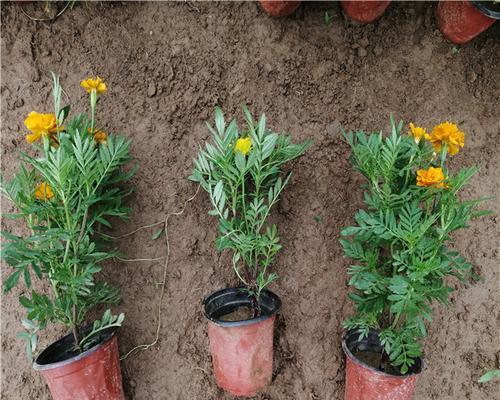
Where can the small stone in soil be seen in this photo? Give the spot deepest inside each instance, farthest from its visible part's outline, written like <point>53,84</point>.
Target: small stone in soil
<point>362,52</point>
<point>151,89</point>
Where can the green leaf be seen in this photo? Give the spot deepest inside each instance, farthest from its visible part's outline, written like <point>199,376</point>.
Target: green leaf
<point>157,234</point>
<point>11,281</point>
<point>327,18</point>
<point>488,376</point>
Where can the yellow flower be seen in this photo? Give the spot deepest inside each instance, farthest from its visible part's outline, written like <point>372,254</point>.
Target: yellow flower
<point>100,137</point>
<point>417,132</point>
<point>432,177</point>
<point>43,192</point>
<point>243,145</point>
<point>39,125</point>
<point>449,134</point>
<point>96,84</point>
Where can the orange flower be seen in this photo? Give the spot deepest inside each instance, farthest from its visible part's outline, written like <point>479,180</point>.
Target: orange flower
<point>417,132</point>
<point>449,134</point>
<point>40,125</point>
<point>432,177</point>
<point>43,192</point>
<point>100,137</point>
<point>96,84</point>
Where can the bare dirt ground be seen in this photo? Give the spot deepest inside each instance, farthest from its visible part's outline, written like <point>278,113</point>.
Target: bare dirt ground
<point>167,65</point>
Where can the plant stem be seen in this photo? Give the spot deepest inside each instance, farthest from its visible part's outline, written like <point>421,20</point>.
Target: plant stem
<point>75,330</point>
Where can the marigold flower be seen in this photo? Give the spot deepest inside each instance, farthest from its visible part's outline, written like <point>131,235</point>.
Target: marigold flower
<point>449,134</point>
<point>39,125</point>
<point>100,137</point>
<point>243,145</point>
<point>43,192</point>
<point>432,177</point>
<point>418,132</point>
<point>96,84</point>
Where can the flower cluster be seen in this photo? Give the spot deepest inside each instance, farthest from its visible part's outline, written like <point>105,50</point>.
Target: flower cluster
<point>445,138</point>
<point>45,125</point>
<point>445,134</point>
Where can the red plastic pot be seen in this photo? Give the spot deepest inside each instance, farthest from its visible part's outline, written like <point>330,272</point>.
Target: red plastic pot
<point>367,383</point>
<point>242,351</point>
<point>92,375</point>
<point>279,8</point>
<point>461,21</point>
<point>364,11</point>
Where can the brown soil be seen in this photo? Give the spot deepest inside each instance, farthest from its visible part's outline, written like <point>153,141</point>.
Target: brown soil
<point>167,66</point>
<point>240,314</point>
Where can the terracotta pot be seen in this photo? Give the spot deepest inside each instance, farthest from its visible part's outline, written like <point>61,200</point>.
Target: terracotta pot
<point>462,21</point>
<point>364,11</point>
<point>279,8</point>
<point>364,382</point>
<point>242,351</point>
<point>92,375</point>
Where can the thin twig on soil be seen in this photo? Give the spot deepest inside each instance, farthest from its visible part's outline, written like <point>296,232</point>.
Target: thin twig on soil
<point>143,347</point>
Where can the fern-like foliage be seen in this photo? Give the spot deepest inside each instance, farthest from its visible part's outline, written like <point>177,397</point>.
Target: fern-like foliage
<point>86,180</point>
<point>400,241</point>
<point>242,189</point>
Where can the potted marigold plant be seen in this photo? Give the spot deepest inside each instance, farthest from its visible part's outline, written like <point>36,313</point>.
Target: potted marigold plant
<point>64,194</point>
<point>463,20</point>
<point>241,172</point>
<point>402,259</point>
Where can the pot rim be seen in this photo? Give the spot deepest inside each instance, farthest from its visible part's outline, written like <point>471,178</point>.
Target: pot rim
<point>353,358</point>
<point>78,357</point>
<point>484,9</point>
<point>245,322</point>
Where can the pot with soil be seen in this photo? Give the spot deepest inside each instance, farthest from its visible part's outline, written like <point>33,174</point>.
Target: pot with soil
<point>241,172</point>
<point>93,375</point>
<point>364,11</point>
<point>462,21</point>
<point>369,374</point>
<point>279,8</point>
<point>401,251</point>
<point>241,339</point>
<point>63,195</point>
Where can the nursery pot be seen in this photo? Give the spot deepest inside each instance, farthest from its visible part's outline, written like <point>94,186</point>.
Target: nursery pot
<point>279,8</point>
<point>91,375</point>
<point>364,11</point>
<point>242,351</point>
<point>461,21</point>
<point>364,382</point>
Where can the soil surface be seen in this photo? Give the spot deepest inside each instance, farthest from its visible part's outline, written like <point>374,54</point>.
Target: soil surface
<point>167,65</point>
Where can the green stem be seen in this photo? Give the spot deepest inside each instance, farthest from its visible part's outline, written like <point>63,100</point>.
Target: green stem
<point>93,101</point>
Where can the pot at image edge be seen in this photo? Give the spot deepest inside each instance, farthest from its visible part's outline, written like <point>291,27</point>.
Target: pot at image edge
<point>363,382</point>
<point>461,21</point>
<point>92,375</point>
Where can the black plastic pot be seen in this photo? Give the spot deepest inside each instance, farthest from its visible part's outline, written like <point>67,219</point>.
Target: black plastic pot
<point>364,382</point>
<point>242,351</point>
<point>92,375</point>
<point>225,301</point>
<point>488,8</point>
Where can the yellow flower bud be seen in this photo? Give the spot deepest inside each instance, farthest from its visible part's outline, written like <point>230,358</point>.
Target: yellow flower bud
<point>243,145</point>
<point>43,192</point>
<point>96,84</point>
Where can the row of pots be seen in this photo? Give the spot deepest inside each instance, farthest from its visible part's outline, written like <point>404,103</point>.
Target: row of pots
<point>459,21</point>
<point>242,358</point>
